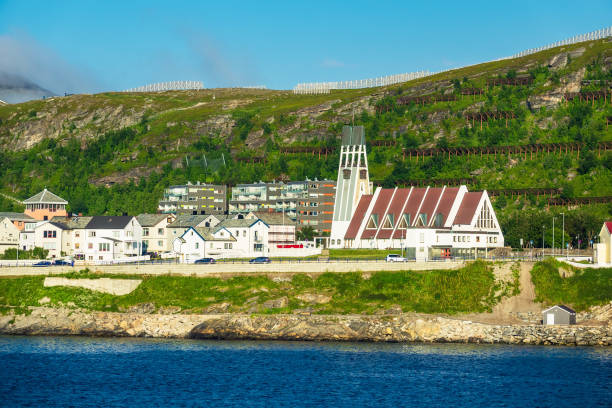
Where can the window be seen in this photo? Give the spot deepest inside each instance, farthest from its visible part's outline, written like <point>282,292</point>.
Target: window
<point>197,245</point>
<point>145,232</point>
<point>92,233</point>
<point>438,220</point>
<point>405,221</point>
<point>104,247</point>
<point>90,246</point>
<point>373,222</point>
<point>389,221</point>
<point>77,234</point>
<point>244,233</point>
<point>115,234</point>
<point>422,221</point>
<point>49,234</point>
<point>422,237</point>
<point>160,231</point>
<point>477,238</point>
<point>346,174</point>
<point>227,245</point>
<point>76,246</point>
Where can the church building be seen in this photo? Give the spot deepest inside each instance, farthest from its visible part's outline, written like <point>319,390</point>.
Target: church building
<point>427,222</point>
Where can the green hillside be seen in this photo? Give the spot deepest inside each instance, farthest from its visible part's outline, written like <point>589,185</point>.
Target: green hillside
<point>116,152</point>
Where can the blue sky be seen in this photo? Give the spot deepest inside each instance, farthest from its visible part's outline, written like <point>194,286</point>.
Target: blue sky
<point>92,46</point>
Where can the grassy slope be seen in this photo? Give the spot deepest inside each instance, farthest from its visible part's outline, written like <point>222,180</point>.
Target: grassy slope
<point>470,289</point>
<point>175,127</point>
<point>588,287</point>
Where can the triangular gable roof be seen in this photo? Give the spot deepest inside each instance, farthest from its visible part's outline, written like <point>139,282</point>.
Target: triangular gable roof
<point>151,220</point>
<point>207,234</point>
<point>15,216</point>
<point>608,225</point>
<point>109,221</point>
<point>45,197</point>
<point>468,208</point>
<point>562,307</point>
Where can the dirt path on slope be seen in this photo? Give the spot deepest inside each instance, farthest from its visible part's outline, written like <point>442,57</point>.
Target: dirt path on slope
<point>523,302</point>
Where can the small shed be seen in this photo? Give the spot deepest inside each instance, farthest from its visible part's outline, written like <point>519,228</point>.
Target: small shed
<point>558,314</point>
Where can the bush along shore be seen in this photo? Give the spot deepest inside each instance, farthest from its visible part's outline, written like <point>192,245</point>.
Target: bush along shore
<point>381,306</point>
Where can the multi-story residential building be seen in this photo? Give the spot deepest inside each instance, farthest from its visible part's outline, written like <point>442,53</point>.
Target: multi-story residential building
<point>45,205</point>
<point>20,220</point>
<point>73,237</point>
<point>281,228</point>
<point>109,238</point>
<point>231,238</point>
<point>51,236</point>
<point>194,199</point>
<point>316,209</point>
<point>9,235</point>
<point>184,221</point>
<point>308,202</point>
<point>154,232</point>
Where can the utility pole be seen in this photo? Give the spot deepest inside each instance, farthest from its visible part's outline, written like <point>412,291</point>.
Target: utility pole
<point>553,243</point>
<point>563,236</point>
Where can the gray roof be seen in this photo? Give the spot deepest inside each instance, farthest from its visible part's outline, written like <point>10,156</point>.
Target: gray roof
<point>273,218</point>
<point>15,216</point>
<point>150,220</point>
<point>562,307</point>
<point>45,197</point>
<point>78,222</point>
<point>187,220</point>
<point>232,223</point>
<point>109,221</point>
<point>207,234</point>
<point>58,225</point>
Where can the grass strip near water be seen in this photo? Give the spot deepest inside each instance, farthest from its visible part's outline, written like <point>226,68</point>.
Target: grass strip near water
<point>580,289</point>
<point>465,290</point>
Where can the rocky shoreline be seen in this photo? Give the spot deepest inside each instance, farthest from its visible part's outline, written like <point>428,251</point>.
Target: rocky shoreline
<point>385,328</point>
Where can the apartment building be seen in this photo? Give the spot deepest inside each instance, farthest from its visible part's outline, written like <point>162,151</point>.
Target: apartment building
<point>194,199</point>
<point>308,203</point>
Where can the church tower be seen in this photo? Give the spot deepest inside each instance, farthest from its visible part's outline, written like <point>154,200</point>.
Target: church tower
<point>353,181</point>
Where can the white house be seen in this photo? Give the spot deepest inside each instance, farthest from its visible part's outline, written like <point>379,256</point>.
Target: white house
<point>73,238</point>
<point>112,238</point>
<point>603,250</point>
<point>154,232</point>
<point>50,235</point>
<point>9,235</point>
<point>202,242</point>
<point>183,222</point>
<point>231,238</point>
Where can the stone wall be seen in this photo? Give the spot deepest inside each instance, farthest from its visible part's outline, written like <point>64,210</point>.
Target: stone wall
<point>398,328</point>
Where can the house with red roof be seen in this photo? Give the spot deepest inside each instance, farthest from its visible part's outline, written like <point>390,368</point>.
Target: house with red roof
<point>603,250</point>
<point>429,222</point>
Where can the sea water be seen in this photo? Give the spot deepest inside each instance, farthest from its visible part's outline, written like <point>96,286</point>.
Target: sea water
<point>101,372</point>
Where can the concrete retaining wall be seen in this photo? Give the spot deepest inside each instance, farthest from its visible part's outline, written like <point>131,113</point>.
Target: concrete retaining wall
<point>117,287</point>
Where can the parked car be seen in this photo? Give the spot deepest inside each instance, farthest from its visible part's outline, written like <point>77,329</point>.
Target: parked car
<point>61,262</point>
<point>205,261</point>
<point>260,260</point>
<point>42,263</point>
<point>395,258</point>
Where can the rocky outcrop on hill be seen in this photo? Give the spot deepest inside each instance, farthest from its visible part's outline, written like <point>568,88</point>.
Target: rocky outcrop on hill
<point>384,328</point>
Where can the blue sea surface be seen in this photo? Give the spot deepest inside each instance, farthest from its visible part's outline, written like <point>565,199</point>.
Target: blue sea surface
<point>101,372</point>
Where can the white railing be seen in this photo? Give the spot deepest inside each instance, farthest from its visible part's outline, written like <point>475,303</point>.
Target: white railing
<point>326,87</point>
<point>168,86</point>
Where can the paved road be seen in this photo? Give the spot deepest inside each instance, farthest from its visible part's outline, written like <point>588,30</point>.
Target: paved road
<point>233,269</point>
